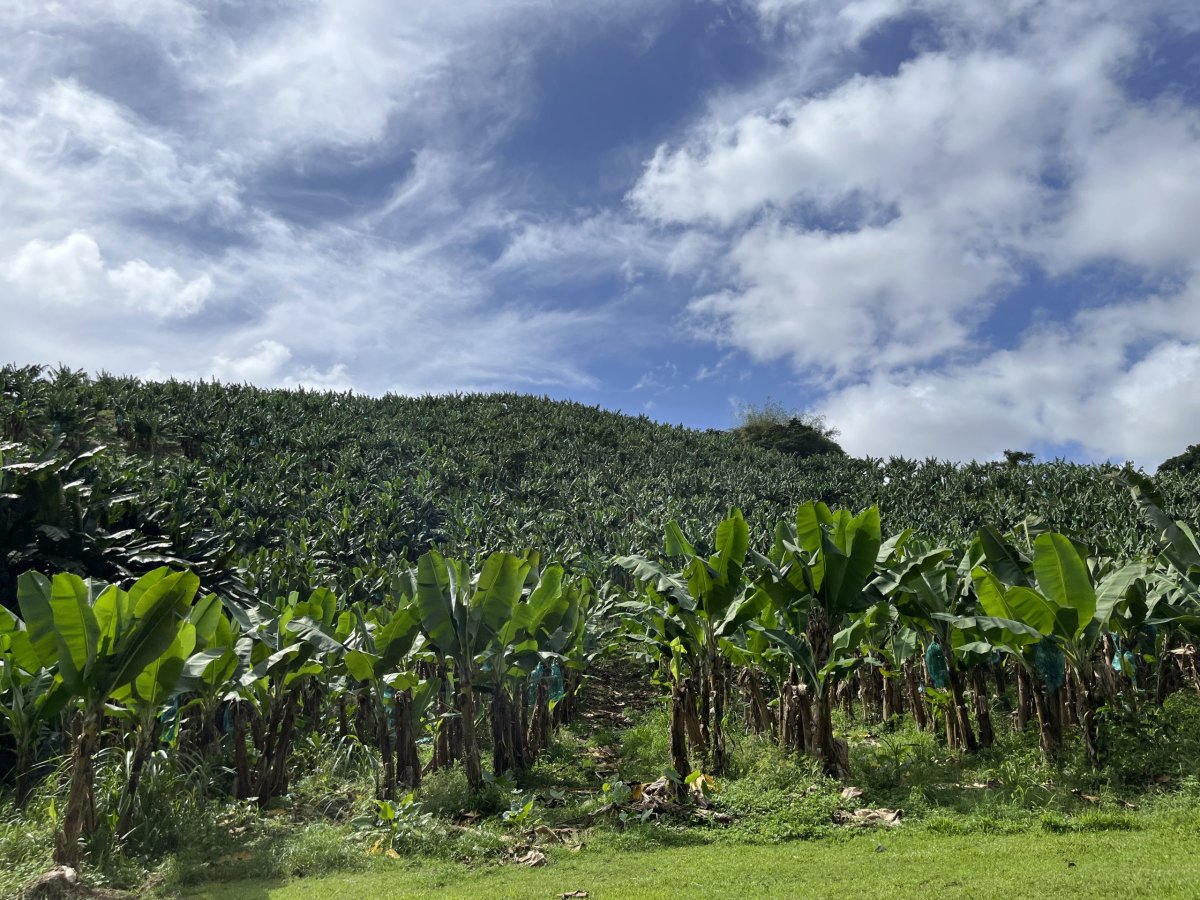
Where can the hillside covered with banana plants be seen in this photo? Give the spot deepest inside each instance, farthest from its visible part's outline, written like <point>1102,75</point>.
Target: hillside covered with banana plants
<point>494,626</point>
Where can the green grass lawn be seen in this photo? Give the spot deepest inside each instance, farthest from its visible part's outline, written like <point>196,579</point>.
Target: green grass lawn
<point>1156,862</point>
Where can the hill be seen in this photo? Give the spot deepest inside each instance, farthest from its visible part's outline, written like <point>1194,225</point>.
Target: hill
<point>286,489</point>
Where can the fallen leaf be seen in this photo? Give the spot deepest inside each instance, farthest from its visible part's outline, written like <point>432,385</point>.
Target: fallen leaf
<point>533,859</point>
<point>851,793</point>
<point>574,895</point>
<point>865,817</point>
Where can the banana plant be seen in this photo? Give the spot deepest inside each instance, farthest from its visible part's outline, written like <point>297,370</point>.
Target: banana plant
<point>461,616</point>
<point>541,628</point>
<point>102,639</point>
<point>31,697</point>
<point>716,589</point>
<point>378,657</point>
<point>666,622</point>
<point>280,647</point>
<point>207,675</point>
<point>817,576</point>
<point>142,701</point>
<point>1062,614</point>
<point>1177,576</point>
<point>925,585</point>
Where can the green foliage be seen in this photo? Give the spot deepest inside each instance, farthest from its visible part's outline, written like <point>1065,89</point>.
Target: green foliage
<point>1018,457</point>
<point>1141,743</point>
<point>645,752</point>
<point>1186,462</point>
<point>362,627</point>
<point>777,796</point>
<point>447,793</point>
<point>772,426</point>
<point>307,489</point>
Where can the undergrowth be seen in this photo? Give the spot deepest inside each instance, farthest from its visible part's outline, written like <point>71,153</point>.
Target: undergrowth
<point>331,822</point>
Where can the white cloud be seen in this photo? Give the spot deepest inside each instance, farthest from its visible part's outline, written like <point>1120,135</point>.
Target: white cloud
<point>158,185</point>
<point>261,365</point>
<point>73,272</point>
<point>67,272</point>
<point>1089,382</point>
<point>873,224</point>
<point>162,292</point>
<point>850,302</point>
<point>1136,197</point>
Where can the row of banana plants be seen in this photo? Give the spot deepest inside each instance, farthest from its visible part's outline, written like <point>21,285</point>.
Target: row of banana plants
<point>87,666</point>
<point>830,611</point>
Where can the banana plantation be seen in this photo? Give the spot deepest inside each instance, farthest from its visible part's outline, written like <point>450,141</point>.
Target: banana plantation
<point>223,588</point>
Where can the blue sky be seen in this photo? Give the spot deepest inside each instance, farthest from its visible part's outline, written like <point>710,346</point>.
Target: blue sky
<point>950,226</point>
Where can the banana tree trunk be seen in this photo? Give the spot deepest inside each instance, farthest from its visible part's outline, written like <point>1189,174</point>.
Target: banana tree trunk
<point>915,701</point>
<point>1049,716</point>
<point>144,739</point>
<point>470,741</point>
<point>997,670</point>
<point>343,721</point>
<point>758,714</point>
<point>520,727</point>
<point>678,737</point>
<point>962,719</point>
<point>508,736</point>
<point>1086,705</point>
<point>1024,698</point>
<point>720,759</point>
<point>408,759</point>
<point>539,726</point>
<point>444,752</point>
<point>241,757</point>
<point>383,730</point>
<point>691,716</point>
<point>833,753</point>
<point>79,818</point>
<point>806,730</point>
<point>275,777</point>
<point>983,713</point>
<point>787,714</point>
<point>871,694</point>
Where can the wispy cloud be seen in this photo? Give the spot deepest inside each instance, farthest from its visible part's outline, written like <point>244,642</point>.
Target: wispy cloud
<point>293,194</point>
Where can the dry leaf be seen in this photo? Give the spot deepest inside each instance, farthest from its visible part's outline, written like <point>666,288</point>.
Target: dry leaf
<point>851,793</point>
<point>573,895</point>
<point>865,817</point>
<point>533,859</point>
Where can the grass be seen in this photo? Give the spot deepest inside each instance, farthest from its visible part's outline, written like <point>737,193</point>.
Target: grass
<point>1155,862</point>
<point>1002,822</point>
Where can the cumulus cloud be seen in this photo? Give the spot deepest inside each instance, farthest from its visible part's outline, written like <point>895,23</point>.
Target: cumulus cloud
<point>874,224</point>
<point>260,366</point>
<point>1115,381</point>
<point>73,272</point>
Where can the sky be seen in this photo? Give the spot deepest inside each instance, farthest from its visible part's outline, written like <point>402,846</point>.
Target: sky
<point>951,227</point>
